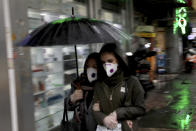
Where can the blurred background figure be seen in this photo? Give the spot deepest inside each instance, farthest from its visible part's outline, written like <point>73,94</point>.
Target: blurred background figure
<point>140,67</point>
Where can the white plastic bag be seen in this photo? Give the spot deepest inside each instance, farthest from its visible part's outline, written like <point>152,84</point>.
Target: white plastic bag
<point>103,128</point>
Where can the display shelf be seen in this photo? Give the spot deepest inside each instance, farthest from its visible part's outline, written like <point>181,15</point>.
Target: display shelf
<point>39,93</point>
<point>48,111</point>
<point>72,60</point>
<point>47,69</point>
<point>69,60</point>
<point>44,74</point>
<point>69,72</point>
<point>59,116</point>
<point>47,62</point>
<point>67,87</point>
<point>42,92</point>
<point>72,71</point>
<point>51,122</point>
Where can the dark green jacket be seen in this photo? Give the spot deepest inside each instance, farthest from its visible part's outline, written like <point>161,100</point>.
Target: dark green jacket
<point>127,104</point>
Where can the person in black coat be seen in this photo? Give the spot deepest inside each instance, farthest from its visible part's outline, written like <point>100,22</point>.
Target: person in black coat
<point>80,98</point>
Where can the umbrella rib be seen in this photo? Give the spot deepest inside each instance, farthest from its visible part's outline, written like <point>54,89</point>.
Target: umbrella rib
<point>90,26</point>
<point>79,30</point>
<point>38,30</point>
<point>35,33</point>
<point>109,34</point>
<point>67,38</point>
<point>118,31</point>
<point>57,31</point>
<point>44,35</point>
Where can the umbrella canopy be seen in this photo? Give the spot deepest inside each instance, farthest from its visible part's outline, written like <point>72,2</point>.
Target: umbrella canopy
<point>72,31</point>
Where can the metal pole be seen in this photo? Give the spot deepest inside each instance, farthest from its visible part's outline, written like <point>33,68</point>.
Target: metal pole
<point>129,16</point>
<point>94,8</point>
<point>14,17</point>
<point>5,115</point>
<point>90,10</point>
<point>72,11</point>
<point>11,68</point>
<point>76,55</point>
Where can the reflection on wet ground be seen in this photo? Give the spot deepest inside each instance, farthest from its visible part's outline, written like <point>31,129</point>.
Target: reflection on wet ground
<point>171,106</point>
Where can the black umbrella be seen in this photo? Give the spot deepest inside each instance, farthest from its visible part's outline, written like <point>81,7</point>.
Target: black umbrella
<point>73,31</point>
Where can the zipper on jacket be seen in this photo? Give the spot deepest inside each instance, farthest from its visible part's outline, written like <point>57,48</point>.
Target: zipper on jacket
<point>111,94</point>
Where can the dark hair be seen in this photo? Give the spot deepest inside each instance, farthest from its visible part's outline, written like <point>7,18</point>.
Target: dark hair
<point>96,57</point>
<point>112,48</point>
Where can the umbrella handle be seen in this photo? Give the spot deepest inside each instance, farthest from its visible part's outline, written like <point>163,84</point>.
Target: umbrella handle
<point>77,85</point>
<point>76,55</point>
<point>72,11</point>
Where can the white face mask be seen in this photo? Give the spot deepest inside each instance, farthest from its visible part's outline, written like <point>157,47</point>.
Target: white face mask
<point>110,68</point>
<point>91,74</point>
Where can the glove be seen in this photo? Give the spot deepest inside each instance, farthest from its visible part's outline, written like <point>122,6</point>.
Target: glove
<point>110,122</point>
<point>130,123</point>
<point>114,115</point>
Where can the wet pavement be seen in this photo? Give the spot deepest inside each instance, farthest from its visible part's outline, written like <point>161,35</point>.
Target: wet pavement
<point>171,106</point>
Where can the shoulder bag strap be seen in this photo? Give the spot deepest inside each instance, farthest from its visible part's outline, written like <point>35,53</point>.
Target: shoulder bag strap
<point>65,111</point>
<point>85,105</point>
<point>126,91</point>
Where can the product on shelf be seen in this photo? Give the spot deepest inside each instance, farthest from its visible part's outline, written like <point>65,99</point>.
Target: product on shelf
<point>35,86</point>
<point>39,102</point>
<point>41,86</point>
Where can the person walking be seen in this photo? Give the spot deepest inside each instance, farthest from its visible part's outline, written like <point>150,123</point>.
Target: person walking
<point>80,97</point>
<point>119,98</point>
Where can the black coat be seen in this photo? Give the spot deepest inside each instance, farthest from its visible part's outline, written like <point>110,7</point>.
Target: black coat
<point>84,106</point>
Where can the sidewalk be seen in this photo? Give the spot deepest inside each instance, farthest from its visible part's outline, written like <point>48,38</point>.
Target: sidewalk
<point>171,105</point>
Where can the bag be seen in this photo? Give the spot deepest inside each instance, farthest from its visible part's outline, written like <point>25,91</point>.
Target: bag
<point>103,128</point>
<point>68,125</point>
<point>90,122</point>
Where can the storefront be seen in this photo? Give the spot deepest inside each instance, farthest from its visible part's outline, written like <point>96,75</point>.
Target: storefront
<point>43,74</point>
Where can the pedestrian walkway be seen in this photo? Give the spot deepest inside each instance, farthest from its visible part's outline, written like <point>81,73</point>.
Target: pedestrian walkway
<point>171,106</point>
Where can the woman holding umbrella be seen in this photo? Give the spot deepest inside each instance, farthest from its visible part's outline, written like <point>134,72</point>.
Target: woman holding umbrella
<point>81,94</point>
<point>119,98</point>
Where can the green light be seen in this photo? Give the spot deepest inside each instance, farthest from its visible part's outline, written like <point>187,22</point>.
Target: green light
<point>181,1</point>
<point>66,20</point>
<point>187,119</point>
<point>183,121</point>
<point>73,19</point>
<point>182,93</point>
<point>182,21</point>
<point>181,18</point>
<point>175,27</point>
<point>182,124</point>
